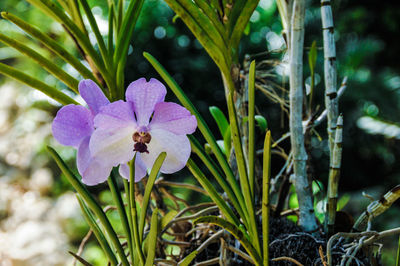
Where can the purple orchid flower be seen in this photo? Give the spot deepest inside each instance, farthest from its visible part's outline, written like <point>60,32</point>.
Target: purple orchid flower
<point>143,124</point>
<point>73,126</point>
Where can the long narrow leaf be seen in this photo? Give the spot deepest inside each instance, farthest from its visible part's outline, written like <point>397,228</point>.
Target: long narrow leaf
<point>201,124</point>
<point>50,44</point>
<point>123,40</point>
<point>235,231</point>
<point>96,31</point>
<point>91,202</point>
<point>188,259</point>
<point>212,15</point>
<point>36,84</point>
<point>76,15</point>
<point>251,108</point>
<point>212,48</point>
<point>244,181</point>
<point>147,192</point>
<point>152,239</point>
<point>97,231</point>
<point>70,81</point>
<point>215,171</point>
<point>265,196</point>
<point>202,179</point>
<point>58,14</point>
<point>204,22</point>
<point>111,30</point>
<point>220,119</point>
<point>240,25</point>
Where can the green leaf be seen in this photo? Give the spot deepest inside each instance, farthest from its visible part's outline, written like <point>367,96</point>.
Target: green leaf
<point>52,68</point>
<point>36,84</point>
<point>244,9</point>
<point>167,218</point>
<point>312,57</point>
<point>215,50</point>
<point>96,31</point>
<point>216,172</point>
<point>251,108</point>
<point>343,200</point>
<point>214,195</point>
<point>147,193</point>
<point>203,127</point>
<point>152,239</point>
<point>97,231</point>
<point>188,259</point>
<point>265,196</point>
<point>220,119</point>
<point>50,44</point>
<point>261,122</point>
<point>91,202</point>
<point>227,142</point>
<point>54,11</point>
<point>235,231</point>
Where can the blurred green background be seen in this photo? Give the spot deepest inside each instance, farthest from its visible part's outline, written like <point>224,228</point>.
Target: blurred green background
<point>35,201</point>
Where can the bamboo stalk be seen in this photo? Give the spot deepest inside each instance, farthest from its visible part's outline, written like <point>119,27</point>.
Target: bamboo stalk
<point>303,189</point>
<point>334,175</point>
<point>330,73</point>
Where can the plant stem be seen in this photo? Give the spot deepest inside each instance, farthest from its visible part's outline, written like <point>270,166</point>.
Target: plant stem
<point>112,183</point>
<point>134,212</point>
<point>330,73</point>
<point>303,189</point>
<point>334,175</point>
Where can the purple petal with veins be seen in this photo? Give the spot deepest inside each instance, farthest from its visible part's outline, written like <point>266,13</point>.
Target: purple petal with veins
<point>174,118</point>
<point>115,115</point>
<point>93,95</point>
<point>144,96</point>
<point>72,124</point>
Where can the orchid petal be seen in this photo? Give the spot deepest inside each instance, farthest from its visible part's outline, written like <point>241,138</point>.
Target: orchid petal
<point>115,115</point>
<point>177,148</point>
<point>140,169</point>
<point>145,95</point>
<point>96,172</point>
<point>93,95</point>
<point>72,124</point>
<point>83,156</point>
<point>112,147</point>
<point>174,118</point>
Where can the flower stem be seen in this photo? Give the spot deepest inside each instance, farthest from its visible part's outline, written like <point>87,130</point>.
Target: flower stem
<point>112,183</point>
<point>134,212</point>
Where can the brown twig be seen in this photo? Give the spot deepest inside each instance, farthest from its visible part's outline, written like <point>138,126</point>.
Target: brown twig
<point>82,245</point>
<point>288,259</point>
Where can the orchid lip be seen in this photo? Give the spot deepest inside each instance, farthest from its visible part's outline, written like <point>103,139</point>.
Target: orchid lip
<point>141,139</point>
